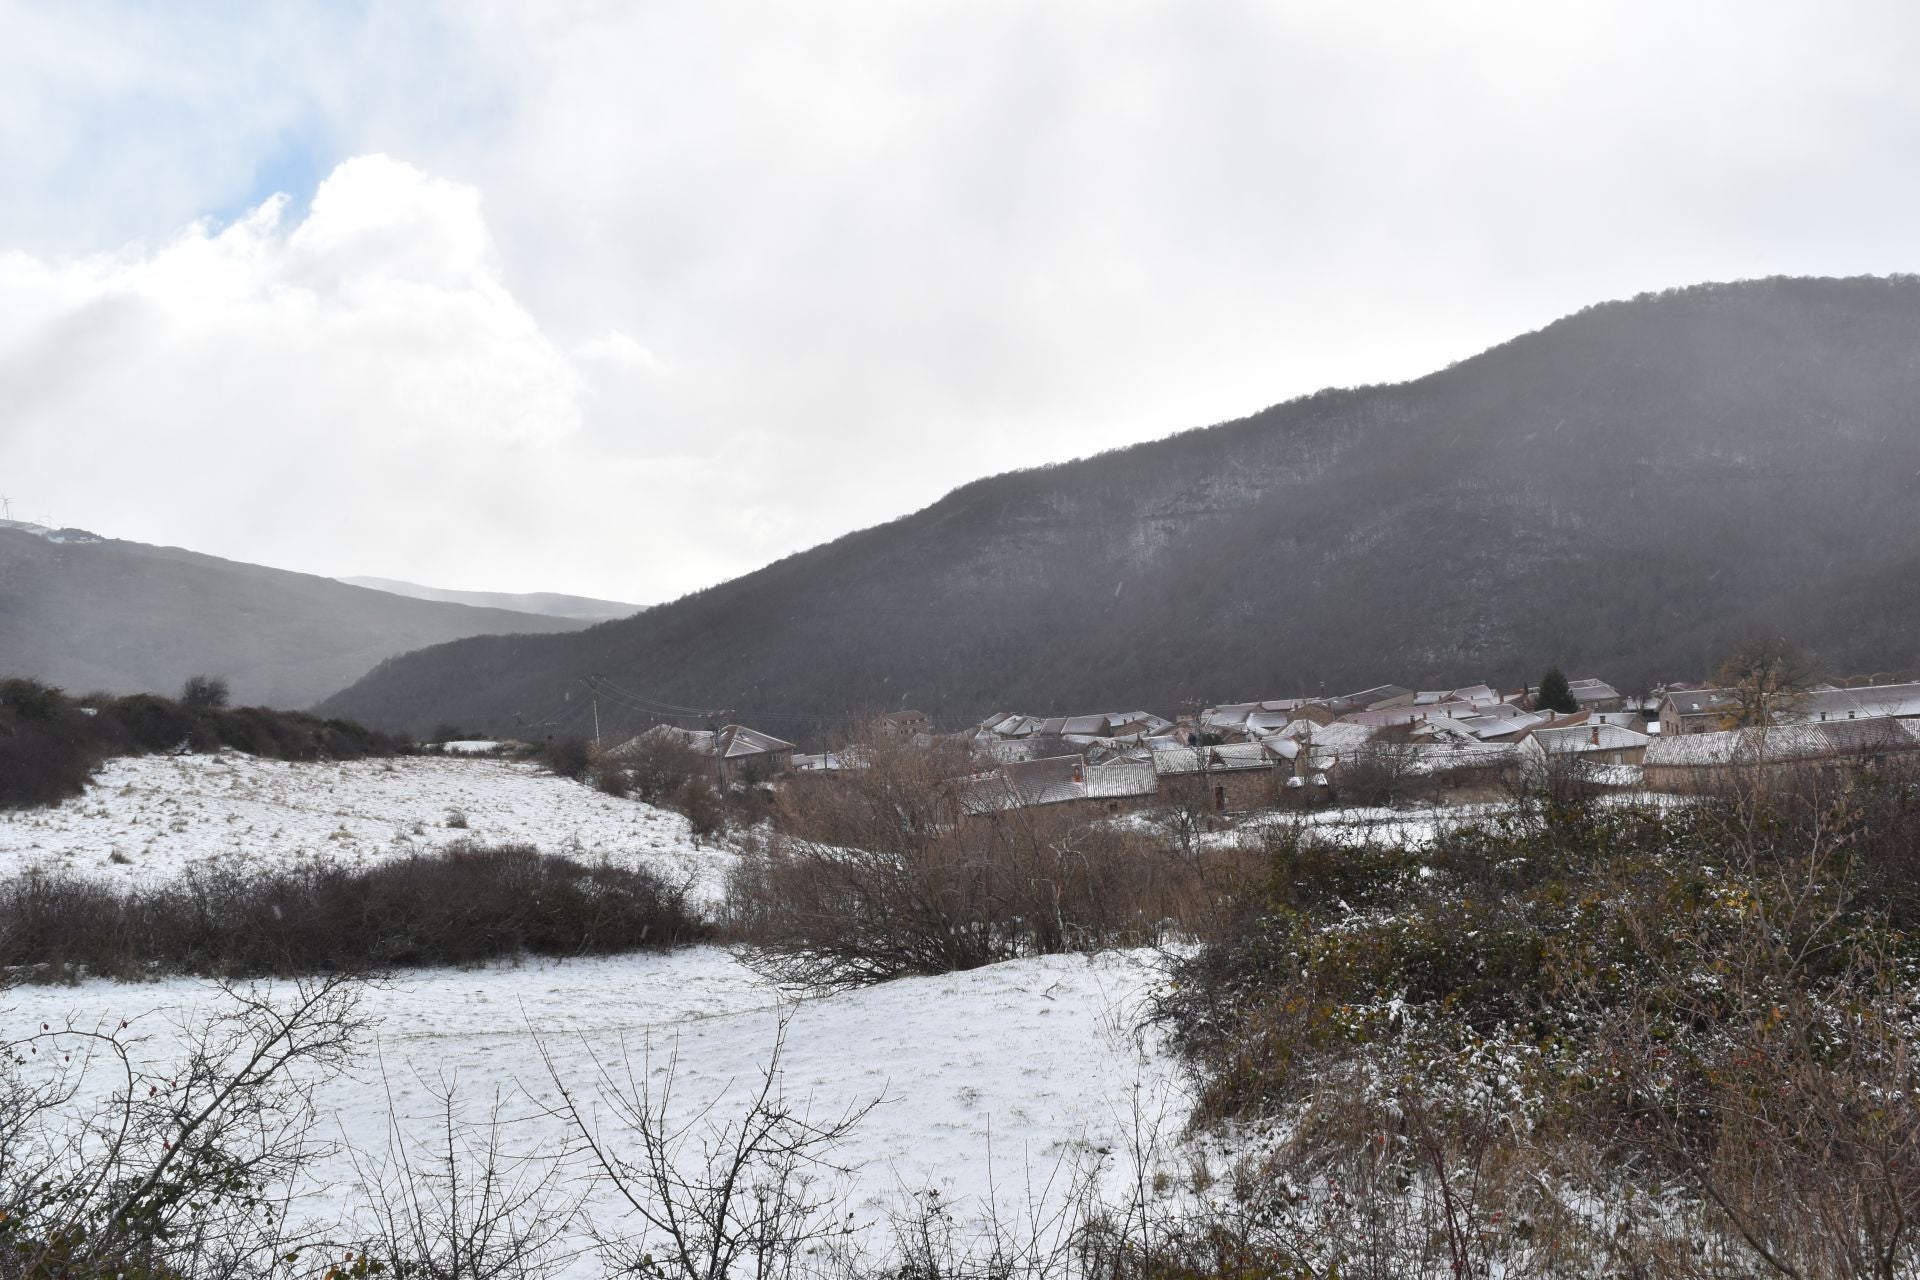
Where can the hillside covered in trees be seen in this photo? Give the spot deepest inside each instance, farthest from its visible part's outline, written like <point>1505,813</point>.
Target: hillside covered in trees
<point>1626,492</point>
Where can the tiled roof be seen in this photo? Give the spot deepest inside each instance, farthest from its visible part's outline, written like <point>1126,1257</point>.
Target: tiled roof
<point>1589,737</point>
<point>1778,743</point>
<point>1120,779</point>
<point>1856,704</point>
<point>1047,781</point>
<point>1700,702</point>
<point>737,741</point>
<point>1227,757</point>
<point>1378,694</point>
<point>1440,757</point>
<point>1592,691</point>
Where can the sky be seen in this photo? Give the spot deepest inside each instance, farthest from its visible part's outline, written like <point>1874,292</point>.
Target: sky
<point>627,299</point>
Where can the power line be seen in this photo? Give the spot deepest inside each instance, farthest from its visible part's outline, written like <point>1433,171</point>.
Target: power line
<point>634,702</point>
<point>661,703</point>
<point>660,707</point>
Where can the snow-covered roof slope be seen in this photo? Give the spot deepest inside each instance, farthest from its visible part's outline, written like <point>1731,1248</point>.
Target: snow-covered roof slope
<point>1590,737</point>
<point>1776,743</point>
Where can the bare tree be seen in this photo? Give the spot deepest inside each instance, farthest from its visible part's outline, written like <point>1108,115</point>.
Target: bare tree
<point>1766,676</point>
<point>204,693</point>
<point>1382,771</point>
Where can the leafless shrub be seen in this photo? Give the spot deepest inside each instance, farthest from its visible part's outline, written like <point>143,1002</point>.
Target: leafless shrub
<point>1379,772</point>
<point>659,766</point>
<point>459,905</point>
<point>933,899</point>
<point>608,773</point>
<point>464,1205</point>
<point>709,1198</point>
<point>109,1167</point>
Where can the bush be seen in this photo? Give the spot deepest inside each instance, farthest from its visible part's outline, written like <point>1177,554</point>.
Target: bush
<point>697,801</point>
<point>877,874</point>
<point>568,757</point>
<point>609,774</point>
<point>1483,1041</point>
<point>50,745</point>
<point>204,693</point>
<point>660,767</point>
<point>459,906</point>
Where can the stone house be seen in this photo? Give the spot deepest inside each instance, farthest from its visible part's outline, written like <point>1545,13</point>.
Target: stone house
<point>1235,777</point>
<point>1686,711</point>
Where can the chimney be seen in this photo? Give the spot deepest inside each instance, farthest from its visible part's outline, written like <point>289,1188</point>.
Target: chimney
<point>1593,735</point>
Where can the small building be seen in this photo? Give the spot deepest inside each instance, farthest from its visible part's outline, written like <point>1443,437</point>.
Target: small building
<point>1896,701</point>
<point>750,755</point>
<point>1687,711</point>
<point>1596,695</point>
<point>1709,761</point>
<point>1121,785</point>
<point>1054,780</point>
<point>898,726</point>
<point>1114,787</point>
<point>1593,742</point>
<point>744,754</point>
<point>1233,777</point>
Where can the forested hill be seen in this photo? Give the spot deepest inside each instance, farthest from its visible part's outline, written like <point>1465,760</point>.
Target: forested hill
<point>1625,492</point>
<point>95,614</point>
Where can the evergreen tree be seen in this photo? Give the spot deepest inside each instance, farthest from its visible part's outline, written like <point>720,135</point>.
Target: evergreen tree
<point>1554,694</point>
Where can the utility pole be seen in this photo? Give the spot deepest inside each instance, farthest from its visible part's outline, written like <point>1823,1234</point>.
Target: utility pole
<point>719,762</point>
<point>593,696</point>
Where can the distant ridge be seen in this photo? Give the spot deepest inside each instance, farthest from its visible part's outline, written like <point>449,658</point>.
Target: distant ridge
<point>549,603</point>
<point>1626,492</point>
<point>91,613</point>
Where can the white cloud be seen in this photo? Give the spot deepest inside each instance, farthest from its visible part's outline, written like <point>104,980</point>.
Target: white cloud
<point>620,351</point>
<point>358,389</point>
<point>674,290</point>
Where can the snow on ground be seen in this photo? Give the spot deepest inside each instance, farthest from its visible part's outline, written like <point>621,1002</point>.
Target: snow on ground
<point>1413,827</point>
<point>148,818</point>
<point>985,1079</point>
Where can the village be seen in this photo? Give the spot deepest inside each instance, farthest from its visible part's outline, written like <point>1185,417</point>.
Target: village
<point>1381,745</point>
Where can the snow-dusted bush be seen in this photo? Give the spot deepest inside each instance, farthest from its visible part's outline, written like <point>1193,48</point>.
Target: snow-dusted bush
<point>1579,1040</point>
<point>456,906</point>
<point>51,743</point>
<point>879,873</point>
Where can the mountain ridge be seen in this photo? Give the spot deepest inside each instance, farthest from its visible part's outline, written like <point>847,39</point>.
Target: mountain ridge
<point>552,604</point>
<point>103,614</point>
<point>1626,491</point>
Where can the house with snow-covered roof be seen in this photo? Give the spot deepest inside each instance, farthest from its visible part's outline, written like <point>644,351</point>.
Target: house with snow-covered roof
<point>1711,760</point>
<point>1689,711</point>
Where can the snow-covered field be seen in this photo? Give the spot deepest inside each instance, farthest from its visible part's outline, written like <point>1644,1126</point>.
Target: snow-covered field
<point>984,1080</point>
<point>148,818</point>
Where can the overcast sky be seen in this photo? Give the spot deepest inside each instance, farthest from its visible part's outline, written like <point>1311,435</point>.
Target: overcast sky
<point>625,299</point>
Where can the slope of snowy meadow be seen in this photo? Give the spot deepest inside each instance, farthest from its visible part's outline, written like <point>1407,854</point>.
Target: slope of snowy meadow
<point>986,1081</point>
<point>148,818</point>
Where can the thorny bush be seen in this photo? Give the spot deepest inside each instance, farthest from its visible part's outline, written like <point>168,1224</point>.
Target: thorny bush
<point>1665,1041</point>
